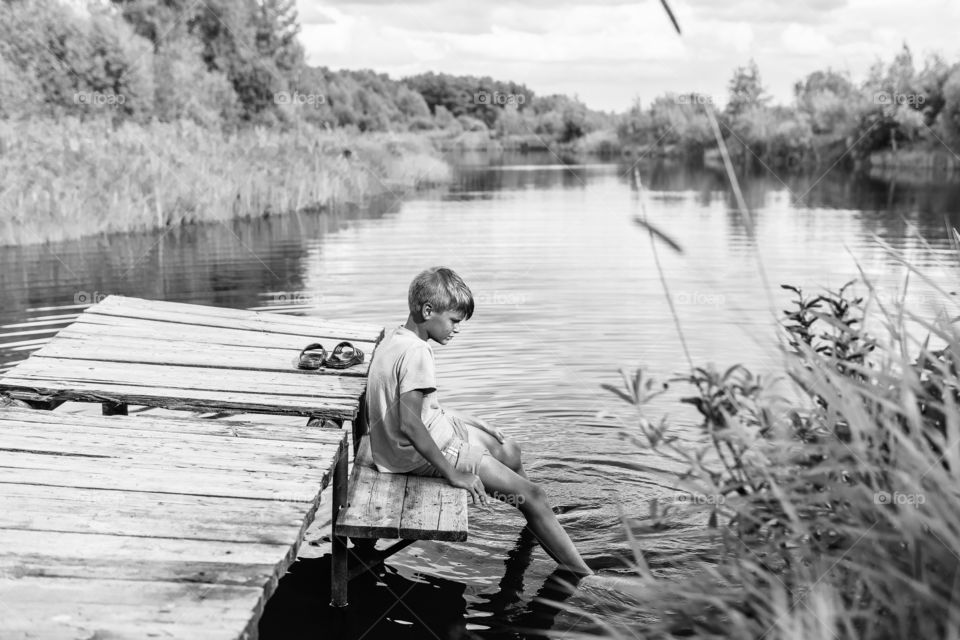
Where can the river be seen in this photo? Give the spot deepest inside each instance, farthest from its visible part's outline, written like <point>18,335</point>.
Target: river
<point>568,291</point>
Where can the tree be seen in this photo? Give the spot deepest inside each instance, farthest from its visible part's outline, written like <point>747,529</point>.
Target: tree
<point>950,114</point>
<point>829,99</point>
<point>746,91</point>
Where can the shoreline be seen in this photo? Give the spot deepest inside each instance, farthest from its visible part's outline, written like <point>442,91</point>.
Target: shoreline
<point>68,179</point>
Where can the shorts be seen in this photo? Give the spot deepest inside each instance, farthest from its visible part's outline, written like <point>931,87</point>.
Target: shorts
<point>464,455</point>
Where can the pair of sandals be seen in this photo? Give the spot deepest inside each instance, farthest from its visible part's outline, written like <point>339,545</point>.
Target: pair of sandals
<point>344,355</point>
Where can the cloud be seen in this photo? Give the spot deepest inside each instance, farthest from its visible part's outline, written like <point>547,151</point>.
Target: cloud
<point>611,51</point>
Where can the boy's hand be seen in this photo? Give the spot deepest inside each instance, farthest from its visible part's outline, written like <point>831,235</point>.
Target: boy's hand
<point>470,482</point>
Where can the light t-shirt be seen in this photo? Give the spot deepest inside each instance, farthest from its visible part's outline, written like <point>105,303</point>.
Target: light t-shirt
<point>403,362</point>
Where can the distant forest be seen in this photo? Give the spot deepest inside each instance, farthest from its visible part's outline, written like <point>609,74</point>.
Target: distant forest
<point>233,63</point>
<point>229,63</point>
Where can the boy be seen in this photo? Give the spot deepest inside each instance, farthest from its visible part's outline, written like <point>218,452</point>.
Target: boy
<point>411,433</point>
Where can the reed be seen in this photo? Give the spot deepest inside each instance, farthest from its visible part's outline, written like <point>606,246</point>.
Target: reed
<point>70,178</point>
<point>830,496</point>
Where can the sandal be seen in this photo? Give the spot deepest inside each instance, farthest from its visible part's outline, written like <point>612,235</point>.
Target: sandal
<point>344,355</point>
<point>312,356</point>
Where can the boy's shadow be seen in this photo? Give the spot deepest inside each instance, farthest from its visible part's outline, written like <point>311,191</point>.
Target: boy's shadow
<point>385,604</point>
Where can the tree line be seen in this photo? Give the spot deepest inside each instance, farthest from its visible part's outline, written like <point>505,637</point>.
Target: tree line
<point>228,63</point>
<point>832,118</point>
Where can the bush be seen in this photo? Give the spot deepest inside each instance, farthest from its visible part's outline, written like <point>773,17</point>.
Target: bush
<point>832,493</point>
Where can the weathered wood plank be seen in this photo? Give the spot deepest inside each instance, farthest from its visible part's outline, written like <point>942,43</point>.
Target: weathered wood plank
<point>241,429</point>
<point>149,515</point>
<point>160,453</point>
<point>57,545</point>
<point>186,353</point>
<point>176,478</point>
<point>374,501</point>
<point>79,570</point>
<point>53,608</point>
<point>174,398</point>
<point>98,440</point>
<point>202,315</point>
<point>295,383</point>
<point>95,326</point>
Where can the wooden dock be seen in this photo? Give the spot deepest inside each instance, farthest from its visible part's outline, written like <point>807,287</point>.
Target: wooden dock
<point>137,527</point>
<point>196,521</point>
<point>185,356</point>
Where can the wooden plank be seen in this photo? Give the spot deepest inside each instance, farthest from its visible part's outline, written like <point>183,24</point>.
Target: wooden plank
<point>87,438</point>
<point>296,383</point>
<point>174,478</point>
<point>96,326</point>
<point>159,453</point>
<point>202,315</point>
<point>53,608</point>
<point>185,353</point>
<point>434,510</point>
<point>190,310</point>
<point>174,398</point>
<point>146,514</point>
<point>453,512</point>
<point>133,549</point>
<point>243,429</point>
<point>80,570</point>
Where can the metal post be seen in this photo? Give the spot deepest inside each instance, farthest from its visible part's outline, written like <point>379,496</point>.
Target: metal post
<point>338,573</point>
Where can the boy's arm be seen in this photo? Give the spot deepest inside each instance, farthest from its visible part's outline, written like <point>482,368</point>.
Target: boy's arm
<point>412,426</point>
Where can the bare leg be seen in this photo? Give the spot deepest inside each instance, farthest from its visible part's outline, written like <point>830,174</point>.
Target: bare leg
<point>505,484</point>
<point>507,452</point>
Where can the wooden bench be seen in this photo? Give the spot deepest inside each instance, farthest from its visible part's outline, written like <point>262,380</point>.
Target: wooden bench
<point>392,506</point>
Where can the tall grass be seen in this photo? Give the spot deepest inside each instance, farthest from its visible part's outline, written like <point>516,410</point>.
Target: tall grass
<point>831,494</point>
<point>68,178</point>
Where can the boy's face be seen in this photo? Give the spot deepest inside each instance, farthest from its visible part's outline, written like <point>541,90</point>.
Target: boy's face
<point>442,326</point>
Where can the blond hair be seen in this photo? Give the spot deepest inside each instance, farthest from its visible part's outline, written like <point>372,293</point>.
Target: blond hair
<point>443,289</point>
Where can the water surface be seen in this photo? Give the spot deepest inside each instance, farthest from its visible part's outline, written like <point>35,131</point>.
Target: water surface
<point>568,291</point>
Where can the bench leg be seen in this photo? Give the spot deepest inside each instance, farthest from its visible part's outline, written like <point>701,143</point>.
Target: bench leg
<point>338,573</point>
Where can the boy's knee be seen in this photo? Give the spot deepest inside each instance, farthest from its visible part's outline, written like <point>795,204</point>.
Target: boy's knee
<point>511,455</point>
<point>535,493</point>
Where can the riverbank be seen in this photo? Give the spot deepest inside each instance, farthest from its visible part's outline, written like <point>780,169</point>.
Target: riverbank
<point>70,178</point>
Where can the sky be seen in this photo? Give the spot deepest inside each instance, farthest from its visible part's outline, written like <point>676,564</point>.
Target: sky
<point>611,52</point>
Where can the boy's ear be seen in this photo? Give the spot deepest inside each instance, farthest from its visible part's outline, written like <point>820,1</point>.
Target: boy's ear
<point>426,310</point>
